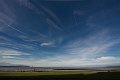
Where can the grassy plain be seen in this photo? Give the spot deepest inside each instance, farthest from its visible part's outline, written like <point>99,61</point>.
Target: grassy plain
<point>45,73</point>
<point>60,75</point>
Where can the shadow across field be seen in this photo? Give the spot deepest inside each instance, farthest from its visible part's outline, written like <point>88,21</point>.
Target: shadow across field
<point>95,76</point>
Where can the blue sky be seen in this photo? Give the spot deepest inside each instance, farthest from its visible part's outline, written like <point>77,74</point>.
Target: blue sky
<point>60,33</point>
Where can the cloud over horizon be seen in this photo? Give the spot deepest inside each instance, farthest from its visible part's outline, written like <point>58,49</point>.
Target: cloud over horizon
<point>75,33</point>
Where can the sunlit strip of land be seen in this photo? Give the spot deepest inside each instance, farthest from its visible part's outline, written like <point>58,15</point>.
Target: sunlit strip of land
<point>44,73</point>
<point>65,75</point>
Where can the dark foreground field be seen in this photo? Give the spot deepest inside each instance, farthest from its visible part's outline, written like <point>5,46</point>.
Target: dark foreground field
<point>60,76</point>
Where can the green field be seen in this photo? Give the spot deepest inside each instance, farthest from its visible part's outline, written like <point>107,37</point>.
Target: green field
<point>62,75</point>
<point>44,73</point>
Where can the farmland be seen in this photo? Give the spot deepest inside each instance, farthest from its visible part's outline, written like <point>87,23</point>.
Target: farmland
<point>44,73</point>
<point>60,75</point>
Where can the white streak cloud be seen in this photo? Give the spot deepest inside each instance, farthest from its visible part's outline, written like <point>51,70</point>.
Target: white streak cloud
<point>107,59</point>
<point>80,52</point>
<point>47,44</point>
<point>11,54</point>
<point>8,57</point>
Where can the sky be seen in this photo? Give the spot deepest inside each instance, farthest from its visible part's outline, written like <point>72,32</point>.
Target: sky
<point>60,33</point>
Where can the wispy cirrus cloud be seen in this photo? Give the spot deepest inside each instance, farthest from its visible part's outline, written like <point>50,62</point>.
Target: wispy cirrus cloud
<point>12,44</point>
<point>8,57</point>
<point>48,16</point>
<point>11,53</point>
<point>10,26</point>
<point>53,24</point>
<point>47,44</point>
<point>95,43</point>
<point>79,52</point>
<point>8,17</point>
<point>41,33</point>
<point>105,59</point>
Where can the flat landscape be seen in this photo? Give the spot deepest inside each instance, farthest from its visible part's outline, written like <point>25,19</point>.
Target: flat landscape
<point>59,39</point>
<point>10,74</point>
<point>60,75</point>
